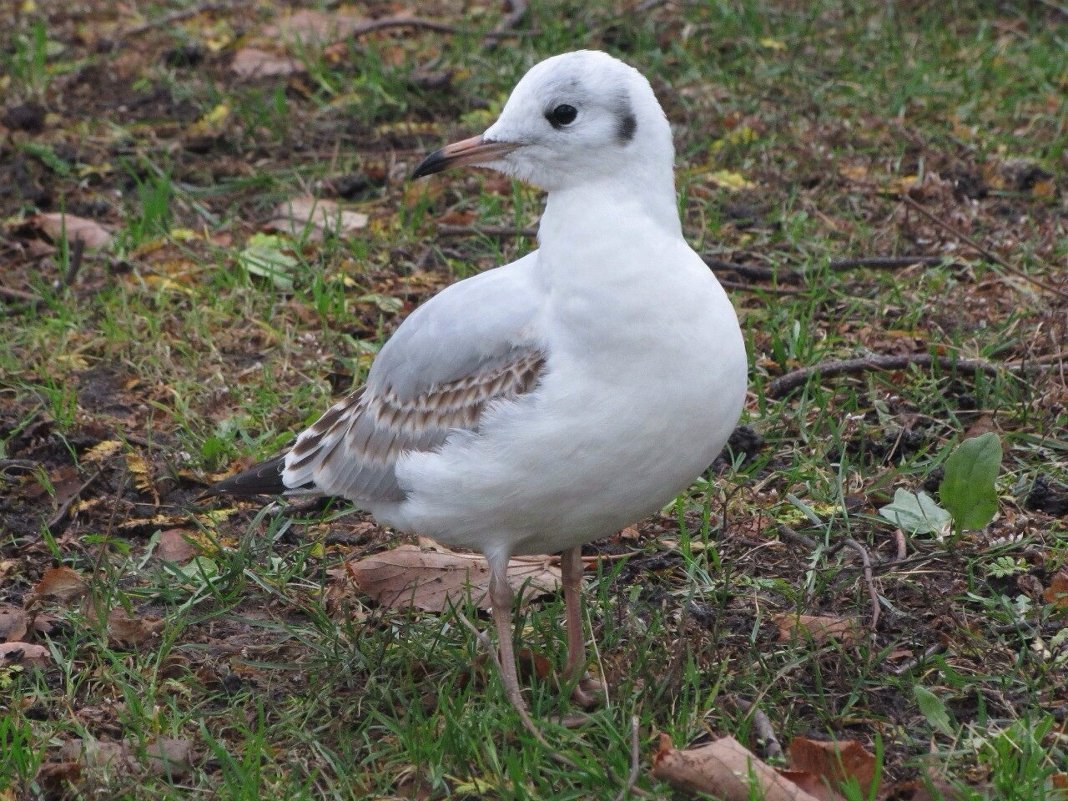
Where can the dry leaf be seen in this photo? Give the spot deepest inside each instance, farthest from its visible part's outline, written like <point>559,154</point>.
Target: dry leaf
<point>725,769</point>
<point>101,451</point>
<point>835,761</point>
<point>164,757</point>
<point>311,217</point>
<point>141,472</point>
<point>55,224</point>
<point>12,624</point>
<point>408,576</point>
<point>250,62</point>
<point>819,627</point>
<point>24,653</point>
<point>127,632</point>
<point>173,546</point>
<point>1057,591</point>
<point>61,583</point>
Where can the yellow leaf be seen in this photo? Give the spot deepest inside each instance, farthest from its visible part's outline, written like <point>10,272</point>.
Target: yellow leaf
<point>900,186</point>
<point>101,451</point>
<point>730,180</point>
<point>854,172</point>
<point>140,470</point>
<point>772,44</point>
<point>742,135</point>
<point>1044,190</point>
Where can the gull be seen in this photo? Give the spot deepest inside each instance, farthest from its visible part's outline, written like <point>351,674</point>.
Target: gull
<point>549,402</point>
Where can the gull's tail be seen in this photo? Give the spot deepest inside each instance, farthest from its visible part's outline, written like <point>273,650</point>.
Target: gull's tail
<point>264,478</point>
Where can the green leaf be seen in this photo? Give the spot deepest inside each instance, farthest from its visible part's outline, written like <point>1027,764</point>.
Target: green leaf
<point>265,255</point>
<point>917,513</point>
<point>934,710</point>
<point>967,489</point>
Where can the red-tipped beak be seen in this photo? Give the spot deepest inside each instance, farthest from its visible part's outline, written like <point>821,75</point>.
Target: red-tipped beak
<point>475,150</point>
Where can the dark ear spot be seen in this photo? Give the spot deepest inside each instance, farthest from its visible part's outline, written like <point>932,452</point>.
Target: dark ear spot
<point>627,126</point>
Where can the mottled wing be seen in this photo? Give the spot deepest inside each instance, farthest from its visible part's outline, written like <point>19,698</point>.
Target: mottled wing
<point>352,450</point>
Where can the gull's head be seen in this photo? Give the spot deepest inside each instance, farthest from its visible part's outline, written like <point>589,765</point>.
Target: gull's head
<point>573,118</point>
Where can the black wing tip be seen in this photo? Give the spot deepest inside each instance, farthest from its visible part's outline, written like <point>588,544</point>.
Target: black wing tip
<point>264,478</point>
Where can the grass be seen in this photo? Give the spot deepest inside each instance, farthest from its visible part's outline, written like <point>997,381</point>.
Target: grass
<point>286,682</point>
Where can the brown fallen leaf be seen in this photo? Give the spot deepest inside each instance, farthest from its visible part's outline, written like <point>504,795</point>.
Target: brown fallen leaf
<point>1057,591</point>
<point>24,653</point>
<point>62,583</point>
<point>723,768</point>
<point>916,790</point>
<point>811,784</point>
<point>409,576</point>
<point>251,62</point>
<point>834,761</point>
<point>165,757</point>
<point>57,224</point>
<point>174,546</point>
<point>819,627</point>
<point>12,624</point>
<point>311,217</point>
<point>128,632</point>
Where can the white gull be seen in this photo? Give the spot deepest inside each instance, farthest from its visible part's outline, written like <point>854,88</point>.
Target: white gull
<point>554,400</point>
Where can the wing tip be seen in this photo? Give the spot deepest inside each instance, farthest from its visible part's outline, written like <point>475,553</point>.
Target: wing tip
<point>264,478</point>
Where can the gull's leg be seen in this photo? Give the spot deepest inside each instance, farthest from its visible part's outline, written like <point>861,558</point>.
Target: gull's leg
<point>575,669</point>
<point>501,597</point>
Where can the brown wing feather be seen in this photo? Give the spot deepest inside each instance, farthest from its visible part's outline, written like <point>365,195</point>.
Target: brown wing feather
<point>352,450</point>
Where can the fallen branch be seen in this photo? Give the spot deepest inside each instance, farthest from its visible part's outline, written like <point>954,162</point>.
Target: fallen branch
<point>506,27</point>
<point>765,732</point>
<point>753,271</point>
<point>885,262</point>
<point>796,378</point>
<point>912,204</point>
<point>868,579</point>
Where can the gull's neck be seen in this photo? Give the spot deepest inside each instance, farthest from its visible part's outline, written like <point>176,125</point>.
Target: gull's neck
<point>610,206</point>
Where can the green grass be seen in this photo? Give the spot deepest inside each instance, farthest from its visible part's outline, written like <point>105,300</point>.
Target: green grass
<point>290,684</point>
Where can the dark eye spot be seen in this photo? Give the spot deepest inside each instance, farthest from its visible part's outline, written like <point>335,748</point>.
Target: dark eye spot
<point>561,115</point>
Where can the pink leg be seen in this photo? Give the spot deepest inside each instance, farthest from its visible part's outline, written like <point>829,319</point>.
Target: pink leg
<point>501,597</point>
<point>575,668</point>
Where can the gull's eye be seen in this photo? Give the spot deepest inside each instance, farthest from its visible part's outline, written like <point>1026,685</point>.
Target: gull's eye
<point>561,115</point>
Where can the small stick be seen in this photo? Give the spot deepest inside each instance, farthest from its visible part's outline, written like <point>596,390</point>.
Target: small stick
<point>635,760</point>
<point>763,729</point>
<point>795,378</point>
<point>385,23</point>
<point>986,252</point>
<point>868,579</point>
<point>930,651</point>
<point>18,294</point>
<point>902,547</point>
<point>884,262</point>
<point>517,10</point>
<point>788,534</point>
<point>500,231</point>
<point>753,272</point>
<point>77,251</point>
<point>771,290</point>
<point>61,513</point>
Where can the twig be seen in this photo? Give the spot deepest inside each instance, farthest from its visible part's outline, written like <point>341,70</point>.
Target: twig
<point>884,262</point>
<point>930,651</point>
<point>500,231</point>
<point>77,251</point>
<point>635,760</point>
<point>18,294</point>
<point>506,27</point>
<point>788,534</point>
<point>771,290</point>
<point>763,729</point>
<point>524,716</point>
<point>753,271</point>
<point>912,204</point>
<point>795,378</point>
<point>61,513</point>
<point>902,547</point>
<point>169,19</point>
<point>868,579</point>
<point>385,23</point>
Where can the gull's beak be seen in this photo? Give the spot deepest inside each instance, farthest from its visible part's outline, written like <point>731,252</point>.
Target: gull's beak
<point>476,150</point>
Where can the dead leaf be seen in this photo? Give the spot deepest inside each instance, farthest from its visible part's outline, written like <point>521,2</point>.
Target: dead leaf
<point>408,576</point>
<point>141,472</point>
<point>56,224</point>
<point>834,761</point>
<point>61,583</point>
<point>12,624</point>
<point>173,546</point>
<point>311,217</point>
<point>917,790</point>
<point>725,769</point>
<point>164,757</point>
<point>819,627</point>
<point>128,632</point>
<point>101,451</point>
<point>24,653</point>
<point>1057,591</point>
<point>251,62</point>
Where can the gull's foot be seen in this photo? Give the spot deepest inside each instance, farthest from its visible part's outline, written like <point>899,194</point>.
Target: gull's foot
<point>588,693</point>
